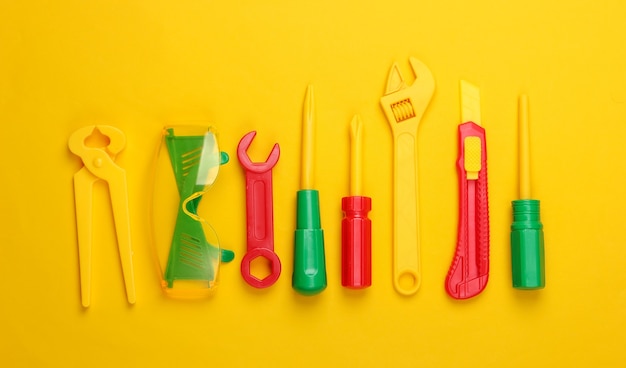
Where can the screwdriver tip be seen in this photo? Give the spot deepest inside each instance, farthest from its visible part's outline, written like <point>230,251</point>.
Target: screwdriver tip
<point>309,100</point>
<point>308,139</point>
<point>356,156</point>
<point>355,125</point>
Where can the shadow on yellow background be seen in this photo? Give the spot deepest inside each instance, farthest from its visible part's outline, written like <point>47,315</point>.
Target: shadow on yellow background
<point>244,66</point>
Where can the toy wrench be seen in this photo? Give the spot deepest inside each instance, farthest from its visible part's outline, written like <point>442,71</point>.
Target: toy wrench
<point>404,107</point>
<point>259,213</point>
<point>99,165</point>
<point>469,270</point>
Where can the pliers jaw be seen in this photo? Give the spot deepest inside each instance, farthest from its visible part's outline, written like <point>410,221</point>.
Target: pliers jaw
<point>117,141</point>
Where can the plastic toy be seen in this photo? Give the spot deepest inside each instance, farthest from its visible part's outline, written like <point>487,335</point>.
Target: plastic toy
<point>259,213</point>
<point>99,165</point>
<point>469,271</point>
<point>527,247</point>
<point>194,254</point>
<point>404,107</point>
<point>356,227</point>
<point>309,268</point>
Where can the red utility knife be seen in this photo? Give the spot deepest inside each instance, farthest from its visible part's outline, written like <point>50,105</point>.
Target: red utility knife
<point>469,270</point>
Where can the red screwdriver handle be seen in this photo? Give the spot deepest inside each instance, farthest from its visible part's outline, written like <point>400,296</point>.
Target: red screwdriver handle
<point>469,271</point>
<point>259,214</point>
<point>356,241</point>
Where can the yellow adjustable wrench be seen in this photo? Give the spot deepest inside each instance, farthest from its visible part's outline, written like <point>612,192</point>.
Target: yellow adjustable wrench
<point>404,107</point>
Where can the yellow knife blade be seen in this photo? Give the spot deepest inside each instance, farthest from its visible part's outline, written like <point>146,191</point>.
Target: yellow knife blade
<point>470,103</point>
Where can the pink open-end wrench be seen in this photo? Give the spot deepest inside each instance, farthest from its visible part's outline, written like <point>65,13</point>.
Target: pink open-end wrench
<point>259,213</point>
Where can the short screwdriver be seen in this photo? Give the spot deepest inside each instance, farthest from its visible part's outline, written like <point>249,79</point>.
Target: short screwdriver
<point>527,248</point>
<point>309,268</point>
<point>356,228</point>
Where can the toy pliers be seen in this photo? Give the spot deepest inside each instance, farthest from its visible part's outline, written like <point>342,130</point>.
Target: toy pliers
<point>404,106</point>
<point>99,165</point>
<point>469,271</point>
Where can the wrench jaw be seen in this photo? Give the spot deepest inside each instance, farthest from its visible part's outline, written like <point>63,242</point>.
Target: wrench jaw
<point>242,149</point>
<point>256,167</point>
<point>423,76</point>
<point>404,103</point>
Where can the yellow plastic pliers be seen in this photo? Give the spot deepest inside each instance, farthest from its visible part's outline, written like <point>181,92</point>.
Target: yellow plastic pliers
<point>99,165</point>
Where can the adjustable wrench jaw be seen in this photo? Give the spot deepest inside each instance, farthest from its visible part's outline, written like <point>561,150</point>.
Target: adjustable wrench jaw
<point>407,103</point>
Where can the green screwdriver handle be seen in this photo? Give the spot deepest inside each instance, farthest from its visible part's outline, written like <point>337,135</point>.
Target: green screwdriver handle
<point>309,271</point>
<point>527,249</point>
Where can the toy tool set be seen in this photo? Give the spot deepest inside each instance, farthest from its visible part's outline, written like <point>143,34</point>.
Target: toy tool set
<point>187,250</point>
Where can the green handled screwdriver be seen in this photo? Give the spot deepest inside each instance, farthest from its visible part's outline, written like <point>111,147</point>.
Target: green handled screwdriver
<point>527,249</point>
<point>309,268</point>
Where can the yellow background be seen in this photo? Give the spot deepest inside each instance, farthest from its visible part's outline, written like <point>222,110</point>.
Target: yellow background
<point>244,65</point>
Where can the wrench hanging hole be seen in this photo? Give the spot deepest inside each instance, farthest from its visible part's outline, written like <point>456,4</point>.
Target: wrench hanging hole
<point>407,281</point>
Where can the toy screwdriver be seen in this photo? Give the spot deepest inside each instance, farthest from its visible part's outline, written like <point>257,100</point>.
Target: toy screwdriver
<point>309,268</point>
<point>356,228</point>
<point>469,270</point>
<point>527,249</point>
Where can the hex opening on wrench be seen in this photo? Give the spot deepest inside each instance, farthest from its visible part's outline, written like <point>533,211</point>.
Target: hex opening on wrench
<point>270,270</point>
<point>259,215</point>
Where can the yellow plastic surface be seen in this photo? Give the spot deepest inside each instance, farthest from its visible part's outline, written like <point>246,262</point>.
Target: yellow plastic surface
<point>242,65</point>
